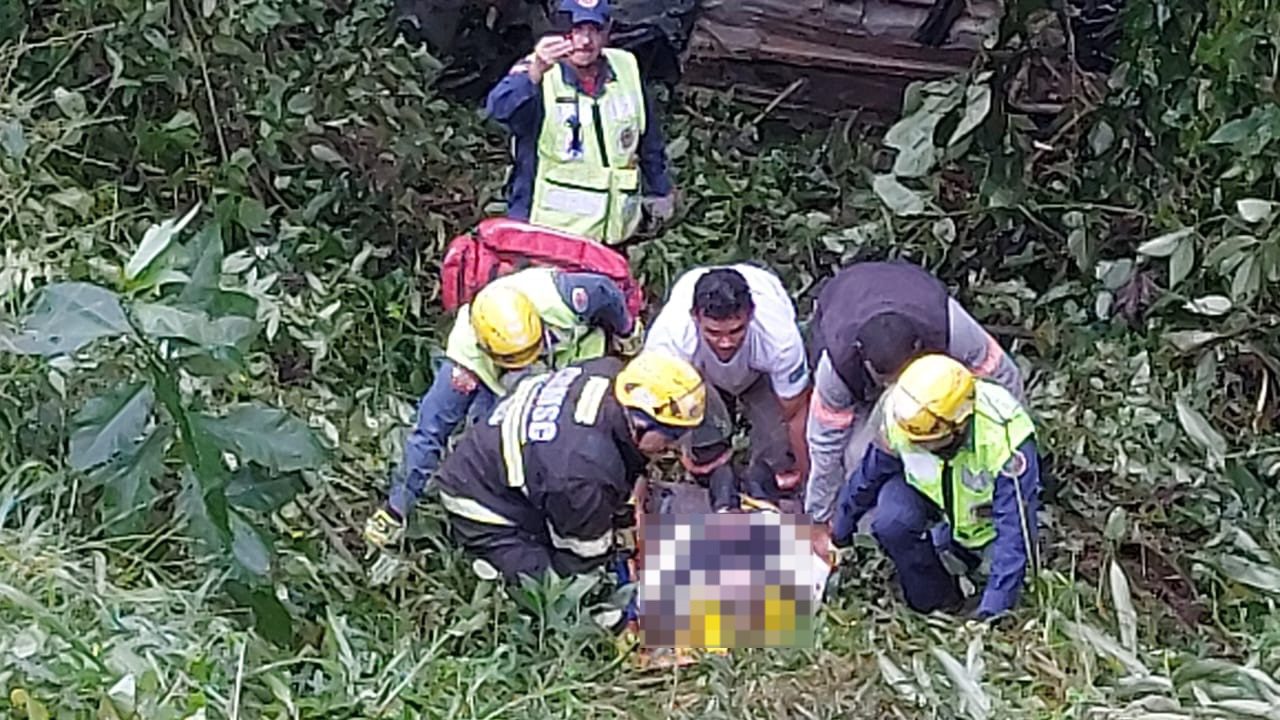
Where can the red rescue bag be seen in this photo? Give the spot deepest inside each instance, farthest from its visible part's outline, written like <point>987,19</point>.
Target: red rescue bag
<point>499,246</point>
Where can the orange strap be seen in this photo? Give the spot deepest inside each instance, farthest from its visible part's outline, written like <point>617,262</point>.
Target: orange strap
<point>830,416</point>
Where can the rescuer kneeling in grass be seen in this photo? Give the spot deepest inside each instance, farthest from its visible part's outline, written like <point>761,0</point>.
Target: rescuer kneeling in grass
<point>539,317</point>
<point>546,483</point>
<point>954,480</point>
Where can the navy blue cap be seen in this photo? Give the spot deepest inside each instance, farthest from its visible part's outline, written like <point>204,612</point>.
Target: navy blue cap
<point>592,11</point>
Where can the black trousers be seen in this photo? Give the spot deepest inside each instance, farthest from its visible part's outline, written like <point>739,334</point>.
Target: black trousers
<point>514,551</point>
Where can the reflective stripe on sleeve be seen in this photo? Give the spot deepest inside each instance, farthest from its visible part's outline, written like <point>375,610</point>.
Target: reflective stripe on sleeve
<point>582,548</point>
<point>991,361</point>
<point>472,510</point>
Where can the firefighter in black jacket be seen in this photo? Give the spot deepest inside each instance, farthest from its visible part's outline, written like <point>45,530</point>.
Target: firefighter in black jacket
<point>539,485</point>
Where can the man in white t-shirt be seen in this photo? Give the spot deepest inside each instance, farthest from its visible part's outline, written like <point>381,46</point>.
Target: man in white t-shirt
<point>737,325</point>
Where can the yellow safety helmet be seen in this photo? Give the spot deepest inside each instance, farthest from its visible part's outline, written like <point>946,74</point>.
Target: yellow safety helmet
<point>932,398</point>
<point>507,326</point>
<point>664,387</point>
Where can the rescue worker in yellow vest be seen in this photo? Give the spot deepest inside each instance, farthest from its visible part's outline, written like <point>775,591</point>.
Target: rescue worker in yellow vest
<point>955,481</point>
<point>588,150</point>
<point>538,316</point>
<point>546,481</point>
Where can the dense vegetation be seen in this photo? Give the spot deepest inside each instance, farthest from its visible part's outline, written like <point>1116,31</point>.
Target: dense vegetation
<point>220,224</point>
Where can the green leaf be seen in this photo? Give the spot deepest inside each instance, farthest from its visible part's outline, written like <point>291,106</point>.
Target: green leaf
<point>248,547</point>
<point>1184,257</point>
<point>67,317</point>
<point>1234,131</point>
<point>13,139</point>
<point>270,437</point>
<point>163,321</point>
<point>203,286</point>
<point>897,197</point>
<point>74,198</point>
<point>251,214</point>
<point>1200,430</point>
<point>108,424</point>
<point>301,103</point>
<point>326,154</point>
<point>1117,525</point>
<point>128,483</point>
<point>1164,245</point>
<point>1254,210</point>
<point>1101,138</point>
<point>71,103</point>
<point>252,488</point>
<point>1248,572</point>
<point>977,107</point>
<point>270,618</point>
<point>155,241</point>
<point>1126,615</point>
<point>1211,305</point>
<point>1247,280</point>
<point>973,699</point>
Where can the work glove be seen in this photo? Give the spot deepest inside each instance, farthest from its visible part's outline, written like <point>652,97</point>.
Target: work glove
<point>630,345</point>
<point>383,528</point>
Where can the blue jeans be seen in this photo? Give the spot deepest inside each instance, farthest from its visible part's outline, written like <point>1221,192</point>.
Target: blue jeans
<point>440,411</point>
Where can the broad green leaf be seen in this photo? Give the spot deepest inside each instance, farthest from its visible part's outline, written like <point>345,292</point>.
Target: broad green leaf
<point>1117,524</point>
<point>1126,615</point>
<point>897,197</point>
<point>1211,305</point>
<point>977,107</point>
<point>1164,245</point>
<point>326,154</point>
<point>109,424</point>
<point>154,242</point>
<point>1247,572</point>
<point>1181,262</point>
<point>1233,132</point>
<point>270,618</point>
<point>248,547</point>
<point>74,198</point>
<point>1101,138</point>
<point>270,437</point>
<point>251,214</point>
<point>1247,279</point>
<point>1200,430</point>
<point>202,287</point>
<point>128,483</point>
<point>70,102</point>
<point>1227,248</point>
<point>13,139</point>
<point>67,317</point>
<point>163,321</point>
<point>1254,210</point>
<point>252,488</point>
<point>301,103</point>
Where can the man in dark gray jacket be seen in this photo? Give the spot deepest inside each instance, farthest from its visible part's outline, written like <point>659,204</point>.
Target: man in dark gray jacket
<point>869,321</point>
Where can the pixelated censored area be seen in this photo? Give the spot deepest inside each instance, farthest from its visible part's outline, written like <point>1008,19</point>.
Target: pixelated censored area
<point>728,581</point>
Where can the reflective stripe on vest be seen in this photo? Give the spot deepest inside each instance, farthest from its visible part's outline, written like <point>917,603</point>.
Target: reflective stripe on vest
<point>569,339</point>
<point>587,180</point>
<point>1000,426</point>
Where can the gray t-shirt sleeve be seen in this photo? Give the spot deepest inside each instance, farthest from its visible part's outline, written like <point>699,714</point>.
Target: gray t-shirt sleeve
<point>976,348</point>
<point>828,430</point>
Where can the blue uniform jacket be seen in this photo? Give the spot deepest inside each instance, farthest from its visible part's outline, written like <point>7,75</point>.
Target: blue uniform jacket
<point>1009,550</point>
<point>517,103</point>
<point>455,393</point>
